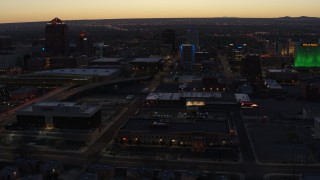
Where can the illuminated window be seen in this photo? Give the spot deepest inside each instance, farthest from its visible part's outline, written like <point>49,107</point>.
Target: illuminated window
<point>195,103</point>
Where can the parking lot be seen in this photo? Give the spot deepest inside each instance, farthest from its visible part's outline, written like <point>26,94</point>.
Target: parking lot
<point>276,109</point>
<point>173,153</point>
<point>278,132</point>
<point>284,144</point>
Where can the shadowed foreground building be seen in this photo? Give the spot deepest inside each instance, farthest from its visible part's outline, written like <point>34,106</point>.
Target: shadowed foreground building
<point>198,134</point>
<point>71,124</point>
<point>61,115</point>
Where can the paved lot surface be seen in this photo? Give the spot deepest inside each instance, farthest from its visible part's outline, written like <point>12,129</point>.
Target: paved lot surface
<point>284,144</point>
<point>279,109</point>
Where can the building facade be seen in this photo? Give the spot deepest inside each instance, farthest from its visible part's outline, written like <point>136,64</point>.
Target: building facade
<point>251,66</point>
<point>193,38</point>
<point>60,115</point>
<point>85,44</point>
<point>187,55</point>
<point>57,42</point>
<point>191,135</point>
<point>169,38</point>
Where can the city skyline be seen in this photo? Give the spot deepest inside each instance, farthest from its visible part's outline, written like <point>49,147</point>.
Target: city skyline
<point>136,89</point>
<point>33,10</point>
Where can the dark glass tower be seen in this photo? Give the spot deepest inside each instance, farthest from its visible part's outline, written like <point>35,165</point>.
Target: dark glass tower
<point>85,44</point>
<point>169,37</point>
<point>57,42</point>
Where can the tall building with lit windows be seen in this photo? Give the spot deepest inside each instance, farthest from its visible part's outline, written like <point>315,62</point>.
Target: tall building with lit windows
<point>85,44</point>
<point>285,47</point>
<point>236,54</point>
<point>57,42</point>
<point>187,55</point>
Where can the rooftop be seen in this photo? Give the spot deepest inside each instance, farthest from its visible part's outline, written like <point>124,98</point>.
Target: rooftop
<point>65,108</point>
<point>147,125</point>
<point>164,96</point>
<point>272,84</point>
<point>201,95</point>
<point>96,72</point>
<point>56,21</point>
<point>178,96</point>
<point>168,87</point>
<point>185,45</point>
<point>53,104</point>
<point>147,60</point>
<point>241,97</point>
<point>105,60</point>
<point>282,70</point>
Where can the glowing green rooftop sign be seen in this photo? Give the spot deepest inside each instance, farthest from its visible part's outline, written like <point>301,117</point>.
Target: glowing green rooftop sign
<point>307,56</point>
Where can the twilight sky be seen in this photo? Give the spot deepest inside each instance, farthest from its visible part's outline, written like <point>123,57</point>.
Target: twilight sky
<point>45,10</point>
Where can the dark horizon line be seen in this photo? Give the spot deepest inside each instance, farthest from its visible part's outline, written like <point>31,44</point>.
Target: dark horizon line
<point>222,17</point>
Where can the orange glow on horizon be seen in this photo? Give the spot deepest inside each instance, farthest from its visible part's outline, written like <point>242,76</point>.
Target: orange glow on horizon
<point>45,10</point>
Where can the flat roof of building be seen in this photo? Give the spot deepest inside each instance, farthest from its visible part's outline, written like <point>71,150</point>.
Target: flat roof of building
<point>147,60</point>
<point>147,125</point>
<point>62,108</point>
<point>186,78</point>
<point>106,60</point>
<point>186,45</point>
<point>66,104</point>
<point>178,96</point>
<point>282,71</point>
<point>240,97</point>
<point>168,87</point>
<point>274,87</point>
<point>164,96</point>
<point>201,95</point>
<point>108,66</point>
<point>310,177</point>
<point>96,72</point>
<point>272,84</point>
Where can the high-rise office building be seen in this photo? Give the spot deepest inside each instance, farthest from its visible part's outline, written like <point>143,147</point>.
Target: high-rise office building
<point>251,66</point>
<point>5,44</point>
<point>193,38</point>
<point>169,38</point>
<point>285,47</point>
<point>187,55</point>
<point>85,44</point>
<point>57,42</point>
<point>236,54</point>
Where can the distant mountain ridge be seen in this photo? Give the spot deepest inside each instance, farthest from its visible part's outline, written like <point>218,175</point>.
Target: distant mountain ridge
<point>300,18</point>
